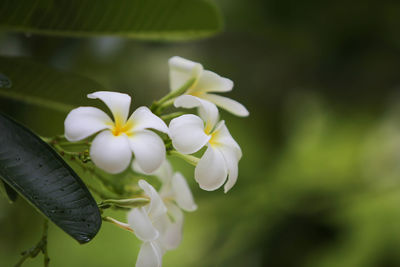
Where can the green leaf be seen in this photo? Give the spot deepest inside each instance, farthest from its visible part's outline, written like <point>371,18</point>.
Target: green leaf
<point>40,175</point>
<point>36,84</point>
<point>143,19</point>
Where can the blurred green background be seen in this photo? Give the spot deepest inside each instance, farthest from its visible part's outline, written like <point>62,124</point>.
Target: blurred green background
<point>319,182</point>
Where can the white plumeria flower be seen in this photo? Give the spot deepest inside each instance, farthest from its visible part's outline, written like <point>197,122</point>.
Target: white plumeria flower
<point>143,222</point>
<point>152,224</point>
<point>112,148</point>
<point>189,134</point>
<point>205,82</point>
<point>177,196</point>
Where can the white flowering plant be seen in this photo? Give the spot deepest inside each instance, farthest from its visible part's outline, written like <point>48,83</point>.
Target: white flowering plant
<point>138,146</point>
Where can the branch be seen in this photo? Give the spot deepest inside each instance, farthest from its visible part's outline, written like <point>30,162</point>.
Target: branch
<point>40,246</point>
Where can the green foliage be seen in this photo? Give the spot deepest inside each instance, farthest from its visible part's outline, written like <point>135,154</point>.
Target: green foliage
<point>38,173</point>
<point>36,84</point>
<point>144,19</point>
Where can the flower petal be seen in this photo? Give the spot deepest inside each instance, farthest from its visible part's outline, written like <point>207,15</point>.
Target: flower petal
<point>222,137</point>
<point>212,82</point>
<point>207,110</point>
<point>111,153</point>
<point>156,208</point>
<point>228,104</point>
<point>187,133</point>
<point>118,103</point>
<point>231,159</point>
<point>142,118</point>
<point>136,167</point>
<point>164,173</point>
<point>172,234</point>
<point>82,122</point>
<point>142,225</point>
<point>183,194</point>
<point>181,71</point>
<point>149,255</point>
<point>223,141</point>
<point>211,171</point>
<point>149,150</point>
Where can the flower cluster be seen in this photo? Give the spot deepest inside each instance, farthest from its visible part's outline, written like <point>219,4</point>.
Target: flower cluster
<point>145,136</point>
<point>159,224</point>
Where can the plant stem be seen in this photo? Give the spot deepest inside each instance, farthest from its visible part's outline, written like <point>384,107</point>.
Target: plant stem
<point>40,246</point>
<point>171,115</point>
<point>125,203</point>
<point>46,259</point>
<point>121,225</point>
<point>66,143</point>
<point>157,106</point>
<point>58,146</point>
<point>188,158</point>
<point>164,105</point>
<point>62,141</point>
<point>106,183</point>
<point>82,158</point>
<point>102,195</point>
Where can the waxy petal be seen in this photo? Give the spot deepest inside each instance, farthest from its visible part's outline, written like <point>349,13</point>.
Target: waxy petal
<point>232,161</point>
<point>136,167</point>
<point>183,194</point>
<point>187,133</point>
<point>142,225</point>
<point>164,173</point>
<point>149,150</point>
<point>149,255</point>
<point>207,110</point>
<point>212,82</point>
<point>222,137</point>
<point>118,103</point>
<point>82,122</point>
<point>110,153</point>
<point>142,118</point>
<point>156,208</point>
<point>211,171</point>
<point>181,71</point>
<point>173,230</point>
<point>228,104</point>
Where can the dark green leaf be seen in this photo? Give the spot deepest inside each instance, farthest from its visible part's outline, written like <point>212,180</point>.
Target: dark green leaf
<point>144,19</point>
<point>36,84</point>
<point>40,175</point>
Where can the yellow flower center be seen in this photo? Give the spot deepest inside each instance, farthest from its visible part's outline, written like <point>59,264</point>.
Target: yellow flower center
<point>214,139</point>
<point>208,128</point>
<point>120,127</point>
<point>195,93</point>
<point>194,90</point>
